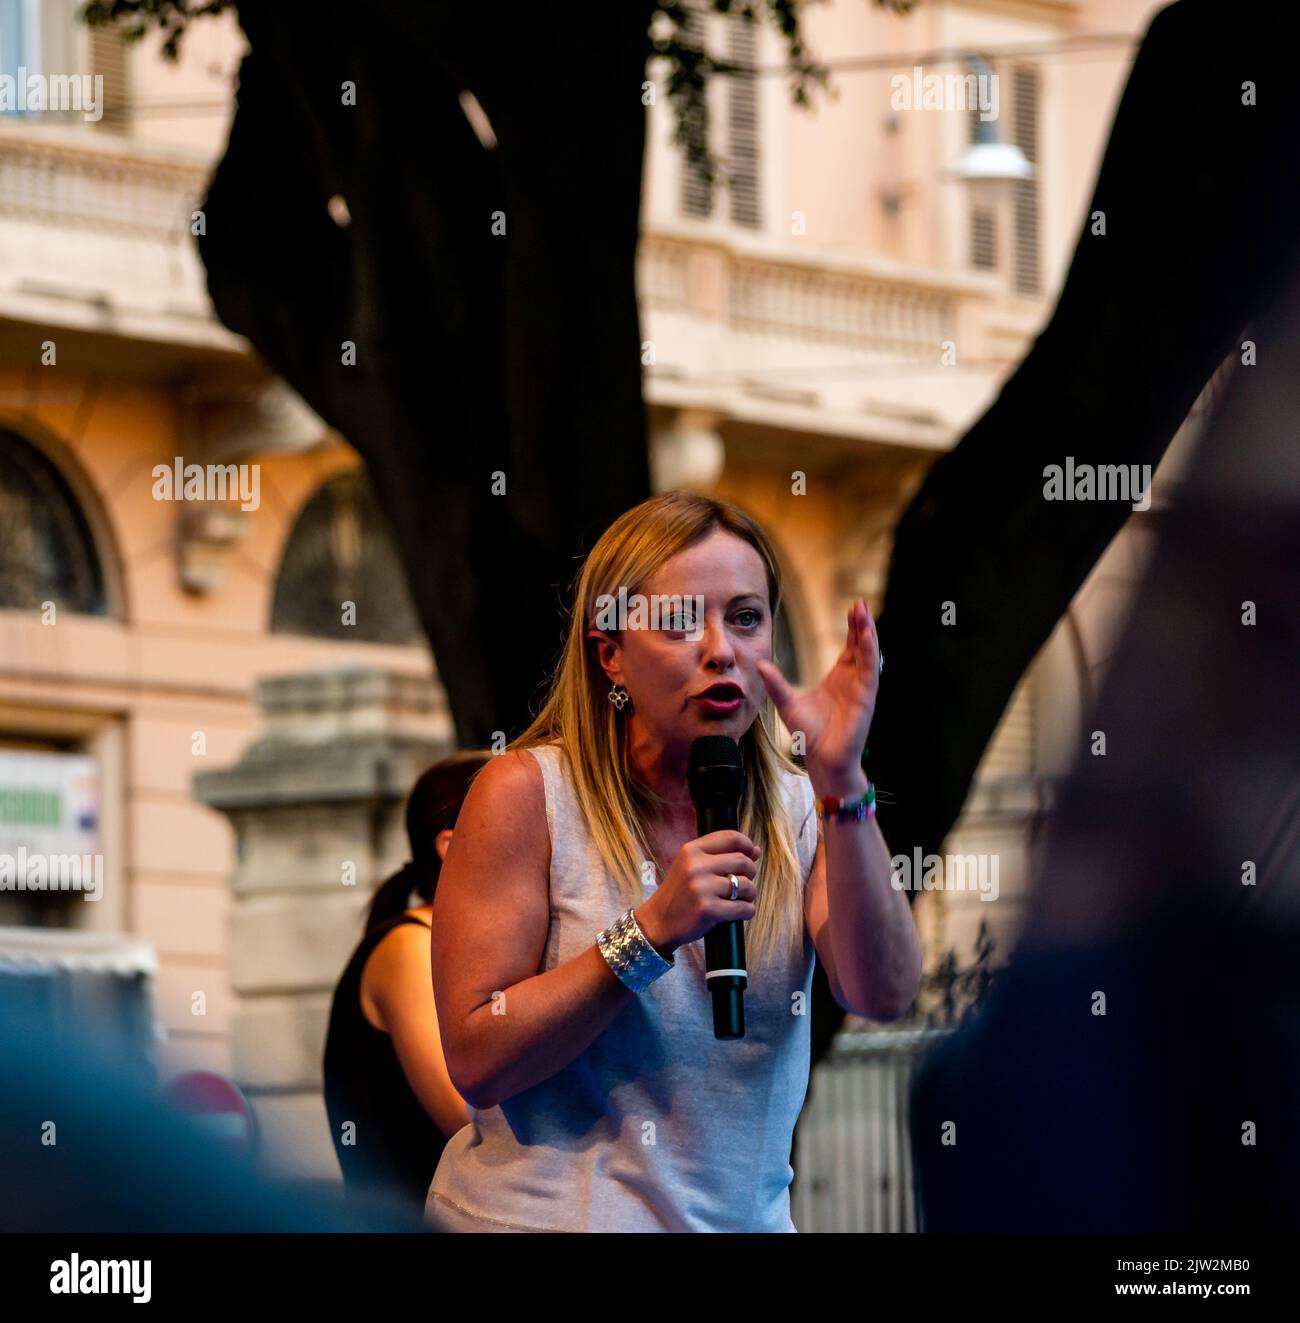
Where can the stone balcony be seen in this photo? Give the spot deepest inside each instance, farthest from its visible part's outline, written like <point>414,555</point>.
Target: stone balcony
<point>95,236</point>
<point>819,339</point>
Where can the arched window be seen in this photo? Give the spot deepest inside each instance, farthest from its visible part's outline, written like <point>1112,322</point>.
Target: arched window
<point>340,551</point>
<point>47,553</point>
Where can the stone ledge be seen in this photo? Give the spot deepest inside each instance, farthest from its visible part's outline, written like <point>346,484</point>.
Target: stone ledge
<point>274,773</point>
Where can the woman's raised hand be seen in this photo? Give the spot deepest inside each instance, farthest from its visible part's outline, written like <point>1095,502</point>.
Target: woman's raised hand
<point>834,716</point>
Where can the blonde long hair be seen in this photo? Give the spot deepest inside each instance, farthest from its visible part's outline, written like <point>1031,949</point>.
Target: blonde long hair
<point>593,734</point>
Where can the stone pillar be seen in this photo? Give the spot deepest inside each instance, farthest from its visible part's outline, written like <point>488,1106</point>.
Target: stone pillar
<point>317,806</point>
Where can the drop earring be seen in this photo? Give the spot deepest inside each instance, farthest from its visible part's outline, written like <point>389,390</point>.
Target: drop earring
<point>619,696</point>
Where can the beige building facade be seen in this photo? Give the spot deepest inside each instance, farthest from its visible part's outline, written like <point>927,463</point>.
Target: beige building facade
<point>816,332</point>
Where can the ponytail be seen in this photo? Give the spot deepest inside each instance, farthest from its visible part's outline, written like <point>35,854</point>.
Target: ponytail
<point>393,896</point>
<point>432,808</point>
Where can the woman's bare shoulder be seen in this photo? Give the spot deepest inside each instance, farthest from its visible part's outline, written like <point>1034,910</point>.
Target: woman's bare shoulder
<point>514,771</point>
<point>508,798</point>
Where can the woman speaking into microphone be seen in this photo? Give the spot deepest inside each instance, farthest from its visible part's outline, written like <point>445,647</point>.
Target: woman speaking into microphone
<point>568,952</point>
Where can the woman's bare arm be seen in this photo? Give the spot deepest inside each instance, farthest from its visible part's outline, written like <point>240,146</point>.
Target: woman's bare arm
<point>505,1027</point>
<point>398,984</point>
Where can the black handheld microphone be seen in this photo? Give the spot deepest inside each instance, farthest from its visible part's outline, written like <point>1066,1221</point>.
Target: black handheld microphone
<point>715,774</point>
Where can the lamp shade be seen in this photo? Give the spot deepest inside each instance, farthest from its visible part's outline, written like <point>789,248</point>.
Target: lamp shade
<point>990,168</point>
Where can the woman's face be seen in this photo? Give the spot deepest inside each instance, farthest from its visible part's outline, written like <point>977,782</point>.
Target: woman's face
<point>668,670</point>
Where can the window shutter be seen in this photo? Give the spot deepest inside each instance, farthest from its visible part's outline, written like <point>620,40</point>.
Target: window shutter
<point>742,117</point>
<point>110,58</point>
<point>1024,129</point>
<point>983,230</point>
<point>697,191</point>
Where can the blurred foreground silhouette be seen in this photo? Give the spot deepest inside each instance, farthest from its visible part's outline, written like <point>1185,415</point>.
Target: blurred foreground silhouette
<point>1175,1109</point>
<point>85,1147</point>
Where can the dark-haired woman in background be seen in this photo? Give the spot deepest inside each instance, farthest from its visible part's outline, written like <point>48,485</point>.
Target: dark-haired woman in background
<point>391,1103</point>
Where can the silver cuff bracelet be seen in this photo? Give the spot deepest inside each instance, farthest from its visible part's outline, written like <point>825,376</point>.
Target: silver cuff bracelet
<point>629,953</point>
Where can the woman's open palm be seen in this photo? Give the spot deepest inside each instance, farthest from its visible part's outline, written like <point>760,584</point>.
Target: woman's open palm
<point>835,715</point>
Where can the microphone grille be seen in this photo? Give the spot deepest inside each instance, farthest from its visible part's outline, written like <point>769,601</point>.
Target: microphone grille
<point>714,751</point>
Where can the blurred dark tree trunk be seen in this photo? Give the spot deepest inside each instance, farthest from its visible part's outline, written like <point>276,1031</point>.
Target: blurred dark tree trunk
<point>1201,199</point>
<point>476,352</point>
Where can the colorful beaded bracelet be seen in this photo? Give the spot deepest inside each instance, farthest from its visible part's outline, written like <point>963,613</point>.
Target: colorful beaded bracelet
<point>851,807</point>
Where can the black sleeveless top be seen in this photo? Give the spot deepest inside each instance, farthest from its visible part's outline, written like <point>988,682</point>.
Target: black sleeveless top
<point>395,1146</point>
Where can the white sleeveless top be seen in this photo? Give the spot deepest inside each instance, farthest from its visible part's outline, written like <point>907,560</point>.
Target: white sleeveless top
<point>656,1125</point>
